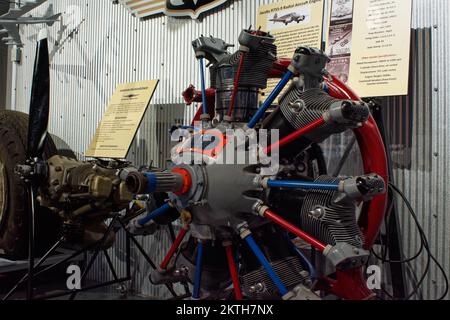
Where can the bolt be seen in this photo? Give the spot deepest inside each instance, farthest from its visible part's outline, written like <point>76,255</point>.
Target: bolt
<point>257,288</point>
<point>304,274</point>
<point>317,213</point>
<point>297,105</point>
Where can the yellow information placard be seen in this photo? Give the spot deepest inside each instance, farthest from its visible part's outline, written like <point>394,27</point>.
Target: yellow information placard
<point>380,51</point>
<point>121,121</point>
<point>293,23</point>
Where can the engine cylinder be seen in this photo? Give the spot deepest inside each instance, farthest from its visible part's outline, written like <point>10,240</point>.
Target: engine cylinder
<point>245,107</point>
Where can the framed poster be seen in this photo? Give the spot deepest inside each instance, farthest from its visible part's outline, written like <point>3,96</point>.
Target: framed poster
<point>369,45</point>
<point>122,119</point>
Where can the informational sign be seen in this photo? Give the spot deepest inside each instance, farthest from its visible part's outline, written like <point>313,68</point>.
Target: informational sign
<point>121,121</point>
<point>369,45</point>
<point>293,23</point>
<point>188,8</point>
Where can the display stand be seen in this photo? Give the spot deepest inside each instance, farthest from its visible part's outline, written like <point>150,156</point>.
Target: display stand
<point>117,223</point>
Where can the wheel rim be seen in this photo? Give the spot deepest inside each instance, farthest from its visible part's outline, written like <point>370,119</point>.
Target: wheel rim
<point>3,191</point>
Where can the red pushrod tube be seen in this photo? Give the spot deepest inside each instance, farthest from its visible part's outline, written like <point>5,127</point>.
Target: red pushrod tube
<point>295,135</point>
<point>294,230</point>
<point>174,248</point>
<point>233,272</point>
<point>236,85</point>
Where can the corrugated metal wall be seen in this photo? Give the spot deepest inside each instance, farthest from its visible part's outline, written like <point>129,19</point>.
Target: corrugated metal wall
<point>4,7</point>
<point>109,46</point>
<point>420,141</point>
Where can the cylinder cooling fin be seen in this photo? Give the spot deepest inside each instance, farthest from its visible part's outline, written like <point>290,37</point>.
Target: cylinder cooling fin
<point>257,65</point>
<point>301,108</point>
<point>331,219</point>
<point>258,285</point>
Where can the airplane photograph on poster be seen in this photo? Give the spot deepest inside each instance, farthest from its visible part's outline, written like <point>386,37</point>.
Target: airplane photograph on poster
<point>342,10</point>
<point>291,17</point>
<point>340,39</point>
<point>288,18</point>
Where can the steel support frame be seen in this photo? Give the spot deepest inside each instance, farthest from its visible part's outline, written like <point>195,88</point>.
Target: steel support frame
<point>96,248</point>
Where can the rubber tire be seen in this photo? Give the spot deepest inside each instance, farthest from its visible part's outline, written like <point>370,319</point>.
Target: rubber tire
<point>14,225</point>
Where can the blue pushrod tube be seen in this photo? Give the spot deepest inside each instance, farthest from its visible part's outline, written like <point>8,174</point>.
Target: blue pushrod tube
<point>270,99</point>
<point>158,212</point>
<point>302,185</point>
<point>265,263</point>
<point>312,270</point>
<point>304,259</point>
<point>198,271</point>
<point>202,76</point>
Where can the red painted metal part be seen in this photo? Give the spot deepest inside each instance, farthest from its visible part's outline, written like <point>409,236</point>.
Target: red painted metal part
<point>174,248</point>
<point>236,85</point>
<point>294,230</point>
<point>211,113</point>
<point>233,272</point>
<point>295,135</point>
<point>187,180</point>
<point>191,95</point>
<point>374,157</point>
<point>350,284</point>
<point>279,68</point>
